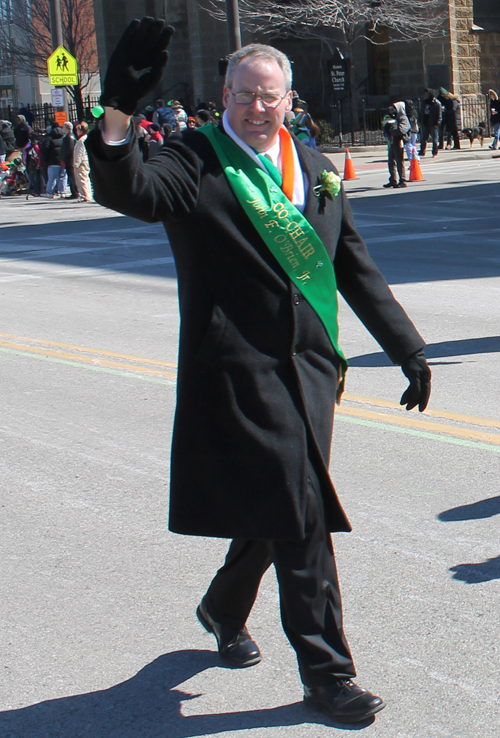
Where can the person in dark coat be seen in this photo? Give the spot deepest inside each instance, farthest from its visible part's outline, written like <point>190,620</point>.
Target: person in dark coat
<point>430,118</point>
<point>44,147</point>
<point>67,146</point>
<point>54,166</point>
<point>258,371</point>
<point>452,119</point>
<point>28,115</point>
<point>22,132</point>
<point>8,138</point>
<point>494,117</point>
<point>397,128</point>
<point>441,98</point>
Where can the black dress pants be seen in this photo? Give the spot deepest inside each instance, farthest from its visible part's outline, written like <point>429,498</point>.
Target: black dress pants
<point>311,611</point>
<point>71,180</point>
<point>396,161</point>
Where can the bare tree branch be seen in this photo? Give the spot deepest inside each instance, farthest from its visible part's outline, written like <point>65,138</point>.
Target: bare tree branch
<point>25,38</point>
<point>378,21</point>
<point>353,18</point>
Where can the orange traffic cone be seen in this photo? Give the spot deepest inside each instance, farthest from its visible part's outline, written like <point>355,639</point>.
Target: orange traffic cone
<point>349,172</point>
<point>415,171</point>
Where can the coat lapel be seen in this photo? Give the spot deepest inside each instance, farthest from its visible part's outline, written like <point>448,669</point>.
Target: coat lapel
<point>324,215</point>
<point>310,171</point>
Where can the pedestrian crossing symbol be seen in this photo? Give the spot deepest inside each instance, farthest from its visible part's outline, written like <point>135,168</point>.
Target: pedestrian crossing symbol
<point>62,68</point>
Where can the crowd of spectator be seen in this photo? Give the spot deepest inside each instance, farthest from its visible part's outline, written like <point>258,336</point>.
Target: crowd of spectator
<point>55,159</point>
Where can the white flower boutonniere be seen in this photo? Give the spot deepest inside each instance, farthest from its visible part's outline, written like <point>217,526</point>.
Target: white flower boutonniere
<point>329,185</point>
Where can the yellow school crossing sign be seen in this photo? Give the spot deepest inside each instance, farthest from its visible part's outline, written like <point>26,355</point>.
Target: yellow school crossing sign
<point>62,67</point>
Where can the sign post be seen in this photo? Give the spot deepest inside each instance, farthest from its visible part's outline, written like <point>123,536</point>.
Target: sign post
<point>338,73</point>
<point>62,68</point>
<point>57,96</point>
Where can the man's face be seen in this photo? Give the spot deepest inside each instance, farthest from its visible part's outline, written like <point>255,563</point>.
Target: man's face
<point>256,124</point>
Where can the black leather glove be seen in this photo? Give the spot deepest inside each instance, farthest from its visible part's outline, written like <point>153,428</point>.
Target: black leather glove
<point>137,64</point>
<point>418,372</point>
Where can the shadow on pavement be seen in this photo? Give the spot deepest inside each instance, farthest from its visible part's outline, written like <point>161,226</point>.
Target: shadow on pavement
<point>475,511</point>
<point>485,571</point>
<point>148,706</point>
<point>434,255</point>
<point>445,249</point>
<point>111,243</point>
<point>462,347</point>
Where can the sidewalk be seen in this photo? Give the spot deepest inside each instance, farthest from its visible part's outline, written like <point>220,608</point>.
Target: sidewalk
<point>375,157</point>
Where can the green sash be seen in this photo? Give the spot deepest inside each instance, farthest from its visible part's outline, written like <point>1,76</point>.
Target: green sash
<point>288,235</point>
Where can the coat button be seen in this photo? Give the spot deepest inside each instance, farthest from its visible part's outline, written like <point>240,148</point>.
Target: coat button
<point>294,353</point>
<point>296,299</point>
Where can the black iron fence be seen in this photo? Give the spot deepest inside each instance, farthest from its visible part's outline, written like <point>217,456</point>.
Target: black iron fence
<point>367,130</point>
<point>44,114</point>
<point>335,129</point>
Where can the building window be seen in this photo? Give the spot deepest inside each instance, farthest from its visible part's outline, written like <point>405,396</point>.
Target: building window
<point>438,75</point>
<point>486,15</point>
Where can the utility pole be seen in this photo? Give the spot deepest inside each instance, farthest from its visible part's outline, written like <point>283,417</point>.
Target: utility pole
<point>56,35</point>
<point>55,23</point>
<point>8,17</point>
<point>233,25</point>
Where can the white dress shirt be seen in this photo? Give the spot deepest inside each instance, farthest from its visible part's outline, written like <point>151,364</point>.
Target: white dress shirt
<point>300,182</point>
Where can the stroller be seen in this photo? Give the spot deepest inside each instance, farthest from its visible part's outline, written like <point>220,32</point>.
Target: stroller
<point>13,178</point>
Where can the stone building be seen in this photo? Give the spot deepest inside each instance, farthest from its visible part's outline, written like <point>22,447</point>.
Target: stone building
<point>463,56</point>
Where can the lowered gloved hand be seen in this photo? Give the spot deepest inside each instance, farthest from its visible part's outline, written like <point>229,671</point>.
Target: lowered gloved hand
<point>418,372</point>
<point>137,64</point>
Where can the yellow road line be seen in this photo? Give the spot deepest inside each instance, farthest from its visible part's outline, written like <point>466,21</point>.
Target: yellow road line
<point>403,420</point>
<point>422,425</point>
<point>85,349</point>
<point>488,422</point>
<point>87,359</point>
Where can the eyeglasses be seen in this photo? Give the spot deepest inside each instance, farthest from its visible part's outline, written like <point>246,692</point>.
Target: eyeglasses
<point>268,99</point>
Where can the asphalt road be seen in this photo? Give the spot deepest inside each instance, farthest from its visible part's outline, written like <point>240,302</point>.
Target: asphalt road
<point>99,637</point>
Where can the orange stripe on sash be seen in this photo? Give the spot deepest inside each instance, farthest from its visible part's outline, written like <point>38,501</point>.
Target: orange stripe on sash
<point>287,162</point>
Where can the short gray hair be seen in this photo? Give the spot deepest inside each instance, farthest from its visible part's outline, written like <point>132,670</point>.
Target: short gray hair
<point>260,51</point>
<point>68,124</point>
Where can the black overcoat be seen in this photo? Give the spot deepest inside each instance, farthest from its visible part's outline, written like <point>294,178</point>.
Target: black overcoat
<point>257,373</point>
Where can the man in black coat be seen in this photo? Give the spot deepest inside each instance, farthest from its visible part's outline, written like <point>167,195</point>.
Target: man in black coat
<point>257,370</point>
<point>22,132</point>
<point>430,118</point>
<point>397,128</point>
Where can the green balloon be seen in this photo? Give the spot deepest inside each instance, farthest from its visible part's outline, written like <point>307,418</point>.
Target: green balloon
<point>97,111</point>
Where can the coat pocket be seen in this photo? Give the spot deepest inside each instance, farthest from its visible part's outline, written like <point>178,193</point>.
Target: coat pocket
<point>213,336</point>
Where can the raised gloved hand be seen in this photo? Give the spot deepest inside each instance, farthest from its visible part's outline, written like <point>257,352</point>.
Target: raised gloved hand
<point>418,372</point>
<point>137,64</point>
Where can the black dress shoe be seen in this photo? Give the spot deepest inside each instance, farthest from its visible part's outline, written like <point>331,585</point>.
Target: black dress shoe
<point>236,648</point>
<point>343,701</point>
<point>389,184</point>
